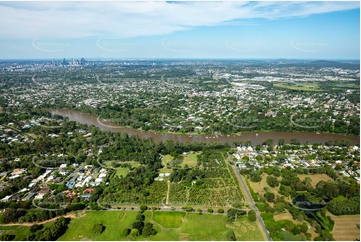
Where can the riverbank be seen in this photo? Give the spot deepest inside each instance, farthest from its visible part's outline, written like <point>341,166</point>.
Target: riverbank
<point>254,137</point>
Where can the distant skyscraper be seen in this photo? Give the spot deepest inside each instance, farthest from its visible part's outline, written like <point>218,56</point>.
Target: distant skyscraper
<point>82,61</point>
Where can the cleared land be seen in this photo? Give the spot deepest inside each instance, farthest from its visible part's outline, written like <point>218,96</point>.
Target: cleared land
<point>301,86</point>
<point>259,186</point>
<point>346,227</point>
<point>172,226</point>
<point>316,178</point>
<point>214,227</point>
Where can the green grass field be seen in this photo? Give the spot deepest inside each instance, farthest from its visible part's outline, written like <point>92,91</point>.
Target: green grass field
<point>166,159</point>
<point>301,86</point>
<point>122,171</point>
<point>176,226</point>
<point>170,219</point>
<point>215,227</point>
<point>114,222</point>
<point>190,160</point>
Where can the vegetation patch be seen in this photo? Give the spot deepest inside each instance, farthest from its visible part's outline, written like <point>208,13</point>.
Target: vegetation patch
<point>169,219</point>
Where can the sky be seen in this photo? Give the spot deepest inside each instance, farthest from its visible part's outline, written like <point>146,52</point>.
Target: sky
<point>185,29</point>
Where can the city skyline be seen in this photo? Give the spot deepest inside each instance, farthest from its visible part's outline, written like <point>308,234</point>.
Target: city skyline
<point>180,30</point>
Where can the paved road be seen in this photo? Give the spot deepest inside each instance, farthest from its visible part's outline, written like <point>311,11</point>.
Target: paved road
<point>253,205</point>
<point>159,208</point>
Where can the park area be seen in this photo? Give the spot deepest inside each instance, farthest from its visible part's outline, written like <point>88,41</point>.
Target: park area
<point>170,226</point>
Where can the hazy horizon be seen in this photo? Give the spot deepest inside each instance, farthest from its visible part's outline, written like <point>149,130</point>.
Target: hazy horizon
<point>180,30</point>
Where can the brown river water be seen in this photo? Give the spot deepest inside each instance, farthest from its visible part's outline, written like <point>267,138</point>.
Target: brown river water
<point>254,137</point>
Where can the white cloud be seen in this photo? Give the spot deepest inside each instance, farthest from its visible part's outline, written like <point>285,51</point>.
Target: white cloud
<point>29,20</point>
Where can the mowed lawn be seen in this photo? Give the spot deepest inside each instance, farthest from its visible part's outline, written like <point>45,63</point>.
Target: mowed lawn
<point>215,227</point>
<point>169,219</point>
<point>345,227</point>
<point>114,222</point>
<point>175,226</point>
<point>316,178</point>
<point>122,172</point>
<point>190,159</point>
<point>305,86</point>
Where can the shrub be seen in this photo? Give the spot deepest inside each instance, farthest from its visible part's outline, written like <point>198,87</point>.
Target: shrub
<point>220,210</point>
<point>7,237</point>
<point>76,206</point>
<point>149,230</point>
<point>140,217</point>
<point>252,216</point>
<point>135,232</point>
<point>126,232</point>
<point>36,227</point>
<point>98,228</point>
<point>231,236</point>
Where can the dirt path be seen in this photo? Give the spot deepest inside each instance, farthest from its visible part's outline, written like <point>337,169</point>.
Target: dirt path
<point>81,214</point>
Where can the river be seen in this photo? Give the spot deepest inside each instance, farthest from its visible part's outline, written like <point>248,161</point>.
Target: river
<point>254,137</point>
